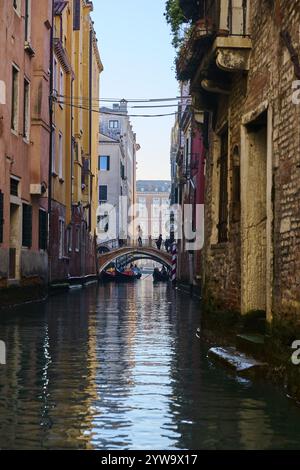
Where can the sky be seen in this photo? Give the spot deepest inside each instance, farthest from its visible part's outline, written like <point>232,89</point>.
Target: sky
<point>138,58</point>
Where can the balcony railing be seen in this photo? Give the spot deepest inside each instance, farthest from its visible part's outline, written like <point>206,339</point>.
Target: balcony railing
<point>224,17</point>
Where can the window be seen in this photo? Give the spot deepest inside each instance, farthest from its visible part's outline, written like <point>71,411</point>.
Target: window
<point>104,163</point>
<point>114,124</point>
<point>61,83</point>
<point>236,186</point>
<point>27,226</point>
<point>53,152</point>
<point>102,193</point>
<point>27,20</point>
<point>43,229</point>
<point>15,99</point>
<point>1,216</point>
<point>61,238</point>
<point>77,245</point>
<point>55,75</point>
<point>122,170</point>
<point>14,187</point>
<point>26,110</point>
<point>69,239</point>
<point>76,15</point>
<point>60,156</point>
<point>223,198</point>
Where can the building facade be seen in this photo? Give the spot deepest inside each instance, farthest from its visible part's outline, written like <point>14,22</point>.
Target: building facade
<point>25,57</point>
<point>188,183</point>
<point>117,172</point>
<point>74,177</point>
<point>242,60</point>
<point>153,209</point>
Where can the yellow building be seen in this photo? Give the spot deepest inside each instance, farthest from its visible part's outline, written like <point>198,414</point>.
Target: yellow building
<point>76,73</point>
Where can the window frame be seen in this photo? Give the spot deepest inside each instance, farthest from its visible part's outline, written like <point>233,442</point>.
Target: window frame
<point>26,110</point>
<point>107,163</point>
<point>15,98</point>
<point>103,201</point>
<point>61,238</point>
<point>223,188</point>
<point>27,21</point>
<point>113,122</point>
<point>60,156</point>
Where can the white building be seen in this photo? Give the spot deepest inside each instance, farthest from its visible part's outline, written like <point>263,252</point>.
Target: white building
<point>117,166</point>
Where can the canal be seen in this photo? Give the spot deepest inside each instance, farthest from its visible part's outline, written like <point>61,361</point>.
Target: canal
<point>119,367</point>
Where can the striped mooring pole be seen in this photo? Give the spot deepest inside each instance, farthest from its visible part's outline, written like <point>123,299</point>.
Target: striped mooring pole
<point>174,263</point>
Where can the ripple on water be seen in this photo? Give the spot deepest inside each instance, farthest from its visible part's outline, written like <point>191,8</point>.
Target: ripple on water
<point>119,367</point>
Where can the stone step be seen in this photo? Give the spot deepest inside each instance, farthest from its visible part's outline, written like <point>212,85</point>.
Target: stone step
<point>240,363</point>
<point>253,344</point>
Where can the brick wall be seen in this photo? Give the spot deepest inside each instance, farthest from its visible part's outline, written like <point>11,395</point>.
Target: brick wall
<point>270,78</point>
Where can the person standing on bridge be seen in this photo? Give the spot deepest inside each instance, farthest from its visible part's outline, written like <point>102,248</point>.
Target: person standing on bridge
<point>140,236</point>
<point>159,242</point>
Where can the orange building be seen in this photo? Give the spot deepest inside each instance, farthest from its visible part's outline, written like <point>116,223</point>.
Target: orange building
<point>24,141</point>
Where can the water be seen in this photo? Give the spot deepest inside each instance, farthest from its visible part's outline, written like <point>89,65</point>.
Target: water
<point>119,367</point>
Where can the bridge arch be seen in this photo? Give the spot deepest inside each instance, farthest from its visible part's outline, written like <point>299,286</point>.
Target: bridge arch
<point>105,259</point>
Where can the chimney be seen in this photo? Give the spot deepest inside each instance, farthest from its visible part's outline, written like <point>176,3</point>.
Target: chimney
<point>123,106</point>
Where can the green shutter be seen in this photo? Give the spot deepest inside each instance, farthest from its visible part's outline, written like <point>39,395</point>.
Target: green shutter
<point>27,226</point>
<point>1,217</point>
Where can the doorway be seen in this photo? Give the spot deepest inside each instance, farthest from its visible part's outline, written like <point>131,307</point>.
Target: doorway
<point>254,186</point>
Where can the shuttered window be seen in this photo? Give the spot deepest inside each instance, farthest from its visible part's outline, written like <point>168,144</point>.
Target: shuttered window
<point>27,226</point>
<point>1,217</point>
<point>76,15</point>
<point>43,230</point>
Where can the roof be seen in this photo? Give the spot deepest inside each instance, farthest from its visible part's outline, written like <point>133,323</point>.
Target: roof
<point>106,138</point>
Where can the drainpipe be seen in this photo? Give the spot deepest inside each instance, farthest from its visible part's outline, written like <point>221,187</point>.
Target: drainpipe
<point>90,124</point>
<point>50,146</point>
<point>72,148</point>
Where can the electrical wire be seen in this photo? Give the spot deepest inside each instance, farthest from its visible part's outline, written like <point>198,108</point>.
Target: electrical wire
<point>118,100</point>
<point>86,108</point>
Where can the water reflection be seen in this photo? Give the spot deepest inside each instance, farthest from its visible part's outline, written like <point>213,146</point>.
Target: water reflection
<point>119,367</point>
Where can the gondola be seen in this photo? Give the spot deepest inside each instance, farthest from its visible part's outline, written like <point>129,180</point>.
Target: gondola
<point>159,276</point>
<point>109,275</point>
<point>127,275</point>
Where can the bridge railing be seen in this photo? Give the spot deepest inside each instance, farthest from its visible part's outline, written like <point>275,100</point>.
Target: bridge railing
<point>145,243</point>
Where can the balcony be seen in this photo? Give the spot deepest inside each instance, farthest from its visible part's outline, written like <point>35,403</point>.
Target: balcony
<point>220,37</point>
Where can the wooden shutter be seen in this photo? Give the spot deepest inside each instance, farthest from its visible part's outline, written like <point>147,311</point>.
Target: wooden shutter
<point>1,217</point>
<point>27,226</point>
<point>43,230</point>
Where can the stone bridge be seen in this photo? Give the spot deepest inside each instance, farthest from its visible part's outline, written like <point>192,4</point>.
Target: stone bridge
<point>135,253</point>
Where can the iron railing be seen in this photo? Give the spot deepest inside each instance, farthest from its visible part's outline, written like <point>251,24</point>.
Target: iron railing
<point>225,17</point>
